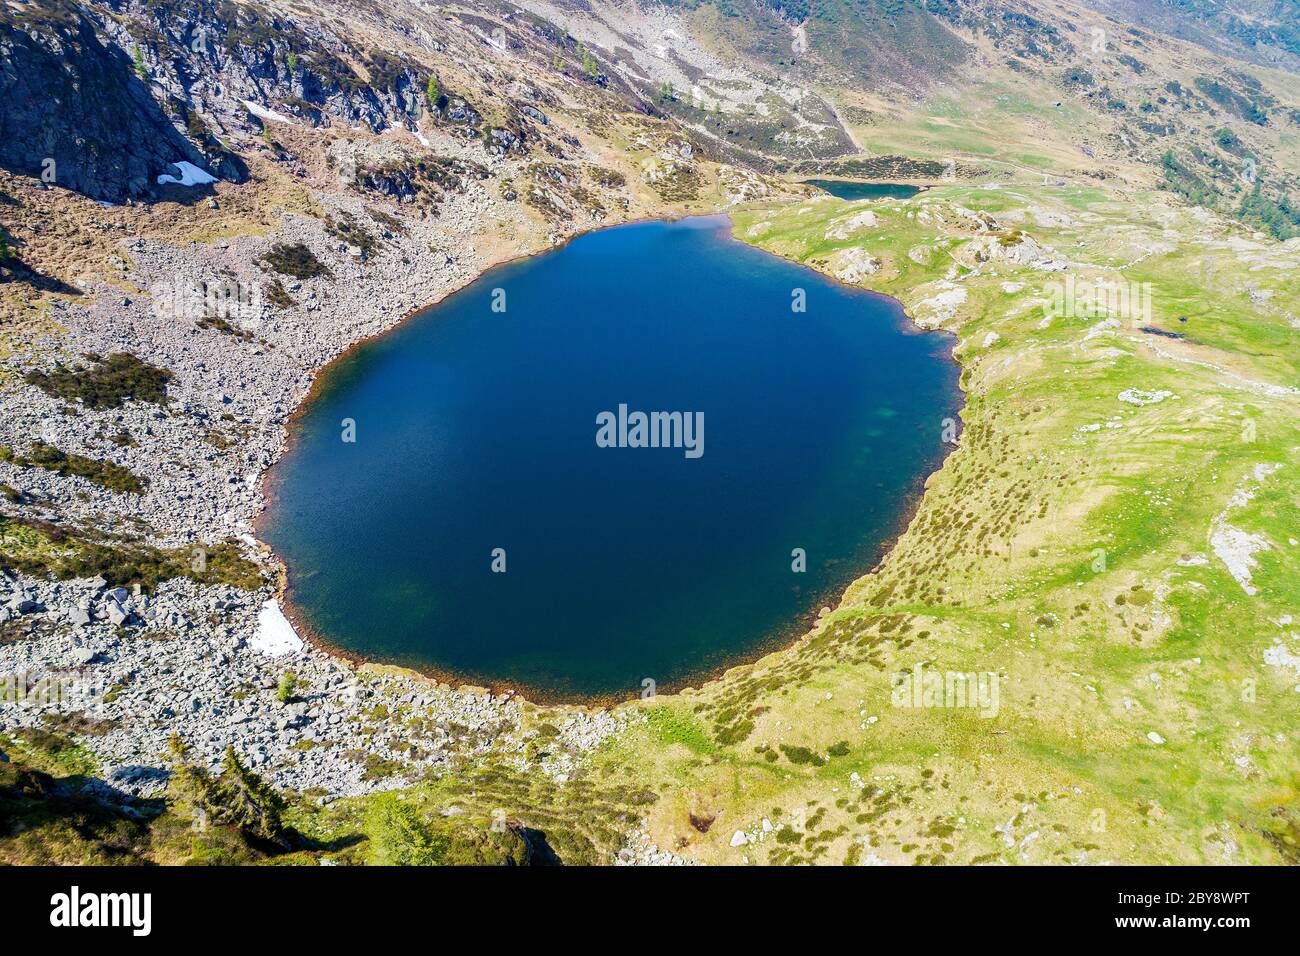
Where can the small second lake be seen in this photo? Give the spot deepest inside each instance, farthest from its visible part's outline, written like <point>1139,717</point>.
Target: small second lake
<point>495,517</point>
<point>853,190</point>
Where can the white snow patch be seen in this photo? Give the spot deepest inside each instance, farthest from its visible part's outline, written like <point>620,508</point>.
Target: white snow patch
<point>262,113</point>
<point>1236,549</point>
<point>1101,328</point>
<point>191,175</point>
<point>275,635</point>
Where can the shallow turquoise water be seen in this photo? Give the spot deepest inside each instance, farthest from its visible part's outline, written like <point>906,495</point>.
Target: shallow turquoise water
<point>477,430</point>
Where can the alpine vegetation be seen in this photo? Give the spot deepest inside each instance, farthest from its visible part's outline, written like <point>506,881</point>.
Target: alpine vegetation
<point>933,689</point>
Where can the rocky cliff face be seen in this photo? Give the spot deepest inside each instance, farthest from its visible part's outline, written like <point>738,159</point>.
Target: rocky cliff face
<point>218,56</point>
<point>104,98</point>
<point>77,114</point>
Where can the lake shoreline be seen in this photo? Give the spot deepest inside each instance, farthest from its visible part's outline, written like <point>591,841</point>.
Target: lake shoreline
<point>783,638</point>
<point>218,495</point>
<point>266,484</point>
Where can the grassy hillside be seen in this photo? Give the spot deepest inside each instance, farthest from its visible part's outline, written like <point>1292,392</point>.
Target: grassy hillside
<point>1081,544</point>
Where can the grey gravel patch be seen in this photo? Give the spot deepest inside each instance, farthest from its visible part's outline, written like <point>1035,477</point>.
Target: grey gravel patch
<point>180,661</point>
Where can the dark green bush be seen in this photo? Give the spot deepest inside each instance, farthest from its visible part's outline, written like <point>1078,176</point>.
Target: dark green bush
<point>294,260</point>
<point>802,755</point>
<point>278,296</point>
<point>103,473</point>
<point>106,382</point>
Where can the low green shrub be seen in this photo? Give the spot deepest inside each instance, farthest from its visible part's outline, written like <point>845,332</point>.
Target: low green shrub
<point>103,473</point>
<point>105,383</point>
<point>294,260</point>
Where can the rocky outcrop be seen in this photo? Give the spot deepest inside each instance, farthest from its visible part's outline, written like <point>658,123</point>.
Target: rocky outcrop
<point>104,101</point>
<point>75,113</point>
<point>218,57</point>
<point>853,264</point>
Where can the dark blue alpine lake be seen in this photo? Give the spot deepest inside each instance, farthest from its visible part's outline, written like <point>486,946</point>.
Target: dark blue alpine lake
<point>476,446</point>
<point>852,189</point>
